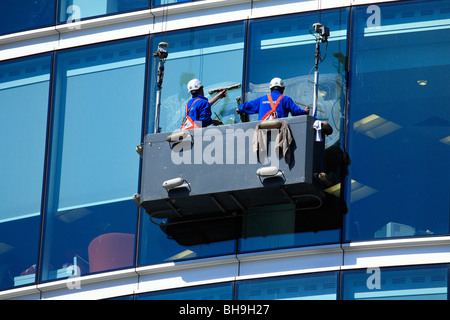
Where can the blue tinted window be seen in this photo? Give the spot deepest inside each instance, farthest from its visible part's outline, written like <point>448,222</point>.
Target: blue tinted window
<point>300,287</point>
<point>282,226</point>
<point>284,47</point>
<point>156,246</point>
<point>222,291</point>
<point>214,55</point>
<point>157,3</point>
<point>75,10</point>
<point>406,283</point>
<point>399,121</point>
<point>24,15</point>
<point>94,169</point>
<point>24,96</point>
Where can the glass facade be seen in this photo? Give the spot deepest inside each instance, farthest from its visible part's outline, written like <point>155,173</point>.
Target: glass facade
<point>16,16</point>
<point>23,15</point>
<point>222,291</point>
<point>320,286</point>
<point>70,121</point>
<point>157,3</point>
<point>399,124</point>
<point>285,48</point>
<point>97,117</point>
<point>399,283</point>
<point>76,10</point>
<point>406,283</point>
<point>215,55</point>
<point>24,97</point>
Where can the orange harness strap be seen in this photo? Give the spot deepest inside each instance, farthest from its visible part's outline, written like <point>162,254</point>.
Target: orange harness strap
<point>188,123</point>
<point>273,106</point>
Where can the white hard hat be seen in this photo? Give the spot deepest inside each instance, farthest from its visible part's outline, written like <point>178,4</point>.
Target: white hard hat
<point>194,84</point>
<point>276,82</point>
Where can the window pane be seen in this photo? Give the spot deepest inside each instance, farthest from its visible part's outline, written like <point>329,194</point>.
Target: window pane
<point>284,47</point>
<point>24,96</point>
<point>157,3</point>
<point>157,247</point>
<point>214,55</point>
<point>74,10</point>
<point>24,15</point>
<point>222,291</point>
<point>94,169</point>
<point>282,226</point>
<point>399,127</point>
<point>406,283</point>
<point>321,286</point>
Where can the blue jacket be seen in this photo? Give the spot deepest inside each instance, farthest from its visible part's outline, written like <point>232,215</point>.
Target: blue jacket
<point>261,106</point>
<point>201,111</point>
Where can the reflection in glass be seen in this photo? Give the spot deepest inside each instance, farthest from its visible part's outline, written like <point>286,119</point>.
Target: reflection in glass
<point>282,226</point>
<point>16,16</point>
<point>214,55</point>
<point>222,291</point>
<point>75,10</point>
<point>94,169</point>
<point>155,246</point>
<point>405,283</point>
<point>399,122</point>
<point>24,96</point>
<point>319,286</point>
<point>284,47</point>
<point>157,3</point>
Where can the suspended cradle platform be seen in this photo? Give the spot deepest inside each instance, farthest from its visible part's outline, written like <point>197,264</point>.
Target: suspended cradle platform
<point>209,178</point>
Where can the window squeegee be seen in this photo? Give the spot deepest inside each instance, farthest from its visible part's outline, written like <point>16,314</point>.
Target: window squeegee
<point>226,88</point>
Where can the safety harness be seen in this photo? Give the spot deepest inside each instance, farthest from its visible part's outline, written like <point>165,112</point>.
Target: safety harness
<point>272,114</point>
<point>188,123</point>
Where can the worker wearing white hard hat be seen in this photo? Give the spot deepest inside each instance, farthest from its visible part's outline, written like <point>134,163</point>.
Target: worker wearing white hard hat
<point>198,108</point>
<point>194,85</point>
<point>276,82</point>
<point>273,105</point>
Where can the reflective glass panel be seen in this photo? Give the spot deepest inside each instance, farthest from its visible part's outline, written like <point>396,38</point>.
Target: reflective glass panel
<point>75,10</point>
<point>285,47</point>
<point>24,96</point>
<point>320,286</point>
<point>221,291</point>
<point>91,218</point>
<point>157,3</point>
<point>405,283</point>
<point>155,246</point>
<point>399,121</point>
<point>24,15</point>
<point>214,55</point>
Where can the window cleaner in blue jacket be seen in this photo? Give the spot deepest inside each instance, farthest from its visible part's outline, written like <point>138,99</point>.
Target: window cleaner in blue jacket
<point>198,108</point>
<point>273,105</point>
